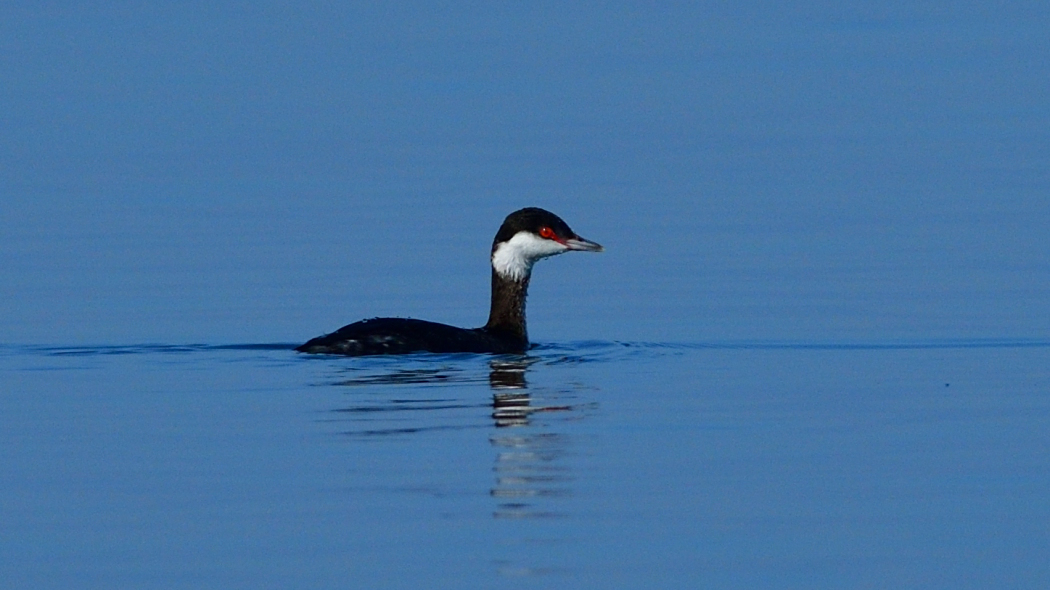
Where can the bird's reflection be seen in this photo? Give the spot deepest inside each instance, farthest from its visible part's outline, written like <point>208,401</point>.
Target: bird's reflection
<point>531,458</point>
<point>510,397</point>
<point>529,465</point>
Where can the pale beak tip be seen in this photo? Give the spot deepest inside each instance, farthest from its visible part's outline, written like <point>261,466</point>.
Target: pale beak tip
<point>581,245</point>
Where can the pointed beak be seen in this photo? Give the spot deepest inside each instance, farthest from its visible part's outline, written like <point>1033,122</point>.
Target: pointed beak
<point>583,245</point>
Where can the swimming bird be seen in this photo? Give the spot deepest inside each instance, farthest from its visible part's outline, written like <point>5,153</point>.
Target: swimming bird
<point>526,236</point>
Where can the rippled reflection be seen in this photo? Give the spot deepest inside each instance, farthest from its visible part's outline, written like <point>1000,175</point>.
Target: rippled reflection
<point>532,467</point>
<point>529,465</point>
<point>413,396</point>
<point>510,400</point>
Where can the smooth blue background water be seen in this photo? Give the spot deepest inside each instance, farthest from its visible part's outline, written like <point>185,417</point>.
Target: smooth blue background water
<point>253,171</point>
<point>826,253</point>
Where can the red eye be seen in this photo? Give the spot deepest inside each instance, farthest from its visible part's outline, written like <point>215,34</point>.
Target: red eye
<point>546,232</point>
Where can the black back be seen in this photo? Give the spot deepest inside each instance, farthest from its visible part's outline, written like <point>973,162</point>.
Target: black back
<point>503,334</point>
<point>402,336</point>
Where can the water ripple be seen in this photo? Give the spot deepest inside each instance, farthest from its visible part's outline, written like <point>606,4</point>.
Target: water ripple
<point>583,351</point>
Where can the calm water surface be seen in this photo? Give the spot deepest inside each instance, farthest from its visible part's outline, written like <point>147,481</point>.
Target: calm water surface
<point>814,354</point>
<point>585,465</point>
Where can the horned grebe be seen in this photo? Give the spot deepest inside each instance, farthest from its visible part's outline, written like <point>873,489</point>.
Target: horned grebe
<point>527,235</point>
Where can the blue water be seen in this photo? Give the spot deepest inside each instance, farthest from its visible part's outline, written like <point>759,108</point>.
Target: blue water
<point>626,465</point>
<point>813,354</point>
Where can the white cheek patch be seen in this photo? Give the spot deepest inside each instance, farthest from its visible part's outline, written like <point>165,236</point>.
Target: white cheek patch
<point>514,258</point>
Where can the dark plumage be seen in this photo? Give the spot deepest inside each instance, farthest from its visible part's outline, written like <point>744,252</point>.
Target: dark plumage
<point>527,235</point>
<point>404,335</point>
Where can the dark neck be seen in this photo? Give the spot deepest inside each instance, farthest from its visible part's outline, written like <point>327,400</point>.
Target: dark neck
<point>507,313</point>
